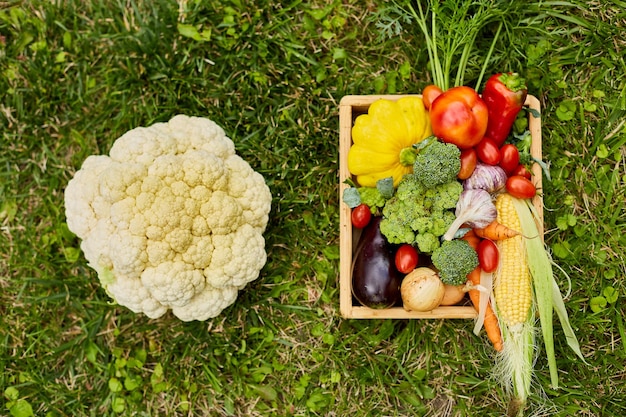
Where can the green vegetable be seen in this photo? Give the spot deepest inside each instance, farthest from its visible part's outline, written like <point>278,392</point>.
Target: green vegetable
<point>372,197</point>
<point>454,260</point>
<point>437,163</point>
<point>419,215</point>
<point>426,242</point>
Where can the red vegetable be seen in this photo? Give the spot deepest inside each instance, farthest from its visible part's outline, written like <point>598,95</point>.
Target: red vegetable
<point>522,170</point>
<point>488,255</point>
<point>361,216</point>
<point>504,95</point>
<point>520,187</point>
<point>488,151</point>
<point>406,258</point>
<point>459,116</point>
<point>429,94</point>
<point>468,163</point>
<point>509,157</point>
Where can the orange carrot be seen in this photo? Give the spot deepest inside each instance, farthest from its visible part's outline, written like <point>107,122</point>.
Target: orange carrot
<point>472,239</point>
<point>495,231</point>
<point>492,328</point>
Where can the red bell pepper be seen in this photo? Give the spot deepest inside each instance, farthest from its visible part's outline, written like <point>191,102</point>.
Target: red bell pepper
<point>504,94</point>
<point>459,116</point>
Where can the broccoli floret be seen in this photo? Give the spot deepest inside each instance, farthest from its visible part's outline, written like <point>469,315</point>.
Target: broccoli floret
<point>444,196</point>
<point>372,198</point>
<point>454,259</point>
<point>426,242</point>
<point>403,213</point>
<point>409,188</point>
<point>396,231</point>
<point>437,163</point>
<point>417,215</point>
<point>441,225</point>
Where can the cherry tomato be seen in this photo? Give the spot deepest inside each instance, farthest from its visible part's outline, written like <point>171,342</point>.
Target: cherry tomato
<point>488,152</point>
<point>406,258</point>
<point>468,163</point>
<point>488,255</point>
<point>361,216</point>
<point>509,157</point>
<point>520,187</point>
<point>522,170</point>
<point>429,94</point>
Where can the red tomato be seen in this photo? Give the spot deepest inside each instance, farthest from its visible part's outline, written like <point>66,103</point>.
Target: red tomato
<point>488,255</point>
<point>468,163</point>
<point>488,152</point>
<point>406,258</point>
<point>522,170</point>
<point>509,157</point>
<point>361,216</point>
<point>520,187</point>
<point>429,94</point>
<point>459,116</point>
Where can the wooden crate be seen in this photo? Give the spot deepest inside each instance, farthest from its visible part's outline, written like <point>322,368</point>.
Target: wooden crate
<point>349,108</point>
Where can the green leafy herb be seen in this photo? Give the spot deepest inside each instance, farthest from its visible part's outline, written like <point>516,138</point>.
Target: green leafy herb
<point>450,29</point>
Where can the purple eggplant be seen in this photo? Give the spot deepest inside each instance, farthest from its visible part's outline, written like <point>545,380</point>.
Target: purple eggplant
<point>375,279</point>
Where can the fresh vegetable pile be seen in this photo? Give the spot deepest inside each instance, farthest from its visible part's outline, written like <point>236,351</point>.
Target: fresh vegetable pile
<point>447,219</point>
<point>428,175</point>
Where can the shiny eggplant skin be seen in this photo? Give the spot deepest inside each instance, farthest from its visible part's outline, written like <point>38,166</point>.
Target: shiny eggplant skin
<point>375,279</point>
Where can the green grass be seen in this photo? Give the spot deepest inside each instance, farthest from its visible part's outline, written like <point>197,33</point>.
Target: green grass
<point>77,74</point>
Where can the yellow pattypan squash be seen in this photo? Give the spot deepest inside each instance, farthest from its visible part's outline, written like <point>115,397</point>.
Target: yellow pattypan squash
<point>383,139</point>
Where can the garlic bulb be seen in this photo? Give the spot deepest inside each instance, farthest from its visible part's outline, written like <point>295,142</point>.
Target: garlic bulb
<point>475,208</point>
<point>490,178</point>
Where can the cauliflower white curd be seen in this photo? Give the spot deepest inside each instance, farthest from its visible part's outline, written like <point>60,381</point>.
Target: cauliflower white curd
<point>172,219</point>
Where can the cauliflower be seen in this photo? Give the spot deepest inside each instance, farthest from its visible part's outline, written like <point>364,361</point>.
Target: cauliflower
<point>172,219</point>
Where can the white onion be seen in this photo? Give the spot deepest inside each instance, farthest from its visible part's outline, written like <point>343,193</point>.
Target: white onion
<point>453,294</point>
<point>422,290</point>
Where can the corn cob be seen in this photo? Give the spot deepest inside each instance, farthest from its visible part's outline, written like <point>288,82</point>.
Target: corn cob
<point>513,299</point>
<point>512,287</point>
